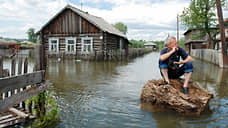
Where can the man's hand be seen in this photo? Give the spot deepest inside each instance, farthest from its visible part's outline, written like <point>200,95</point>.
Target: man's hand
<point>174,49</point>
<point>181,62</point>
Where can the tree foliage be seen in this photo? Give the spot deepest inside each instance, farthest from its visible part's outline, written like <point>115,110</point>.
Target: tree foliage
<point>201,15</point>
<point>32,35</point>
<point>121,27</point>
<point>160,44</point>
<point>181,42</point>
<point>137,44</point>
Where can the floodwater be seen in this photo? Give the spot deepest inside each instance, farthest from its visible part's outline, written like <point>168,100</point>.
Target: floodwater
<point>107,94</point>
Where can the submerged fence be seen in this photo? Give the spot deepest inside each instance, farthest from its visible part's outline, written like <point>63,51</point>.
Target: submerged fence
<point>116,55</point>
<point>18,85</point>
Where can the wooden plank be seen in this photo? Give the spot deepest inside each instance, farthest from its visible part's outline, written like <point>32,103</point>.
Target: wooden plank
<point>8,120</point>
<point>1,67</point>
<point>20,81</point>
<point>6,117</point>
<point>20,66</point>
<point>12,121</point>
<point>13,67</point>
<point>26,65</point>
<point>22,96</point>
<point>19,113</point>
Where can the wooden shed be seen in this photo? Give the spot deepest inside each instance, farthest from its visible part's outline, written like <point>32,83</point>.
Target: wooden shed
<point>73,32</point>
<point>193,40</point>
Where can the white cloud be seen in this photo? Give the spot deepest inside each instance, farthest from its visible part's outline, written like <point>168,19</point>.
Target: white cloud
<point>142,14</point>
<point>23,14</point>
<point>146,19</point>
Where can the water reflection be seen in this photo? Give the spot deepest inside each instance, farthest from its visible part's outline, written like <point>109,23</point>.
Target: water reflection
<point>211,77</point>
<point>107,94</point>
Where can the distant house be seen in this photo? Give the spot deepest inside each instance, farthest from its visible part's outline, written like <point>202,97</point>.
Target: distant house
<point>11,44</point>
<point>151,45</point>
<point>74,32</point>
<point>194,41</point>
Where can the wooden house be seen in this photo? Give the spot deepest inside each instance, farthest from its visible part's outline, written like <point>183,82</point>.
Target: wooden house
<point>193,40</point>
<point>73,32</point>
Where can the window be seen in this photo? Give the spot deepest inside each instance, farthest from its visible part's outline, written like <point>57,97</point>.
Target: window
<point>70,45</point>
<point>121,44</point>
<point>54,44</point>
<point>87,45</point>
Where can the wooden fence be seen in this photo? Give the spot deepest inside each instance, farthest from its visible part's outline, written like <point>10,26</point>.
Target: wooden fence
<point>16,86</point>
<point>109,55</point>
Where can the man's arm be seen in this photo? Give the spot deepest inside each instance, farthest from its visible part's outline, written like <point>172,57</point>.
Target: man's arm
<point>168,54</point>
<point>188,59</point>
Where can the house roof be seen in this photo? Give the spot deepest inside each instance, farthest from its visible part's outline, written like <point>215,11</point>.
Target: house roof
<point>195,41</point>
<point>97,21</point>
<point>190,30</point>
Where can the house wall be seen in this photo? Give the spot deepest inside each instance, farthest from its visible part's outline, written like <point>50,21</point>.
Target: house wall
<point>97,41</point>
<point>70,24</point>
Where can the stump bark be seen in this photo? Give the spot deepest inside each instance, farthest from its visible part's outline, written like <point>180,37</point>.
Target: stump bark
<point>170,96</point>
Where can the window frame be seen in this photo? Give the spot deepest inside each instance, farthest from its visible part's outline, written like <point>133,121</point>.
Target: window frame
<point>50,44</point>
<point>91,44</point>
<point>66,44</point>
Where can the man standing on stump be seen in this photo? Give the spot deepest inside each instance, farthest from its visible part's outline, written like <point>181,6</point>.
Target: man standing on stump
<point>171,66</point>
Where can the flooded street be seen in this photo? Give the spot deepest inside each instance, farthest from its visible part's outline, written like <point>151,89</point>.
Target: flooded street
<point>107,94</point>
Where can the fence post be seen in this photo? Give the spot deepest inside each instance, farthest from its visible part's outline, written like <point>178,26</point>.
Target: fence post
<point>1,67</point>
<point>13,67</point>
<point>26,65</point>
<point>19,66</point>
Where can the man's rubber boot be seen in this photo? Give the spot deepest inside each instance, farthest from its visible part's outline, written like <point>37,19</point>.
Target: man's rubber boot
<point>184,90</point>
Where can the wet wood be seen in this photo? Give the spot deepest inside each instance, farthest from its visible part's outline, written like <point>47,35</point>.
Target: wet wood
<point>170,96</point>
<point>5,117</point>
<point>1,67</point>
<point>20,81</point>
<point>22,96</point>
<point>19,113</point>
<point>13,67</point>
<point>11,121</point>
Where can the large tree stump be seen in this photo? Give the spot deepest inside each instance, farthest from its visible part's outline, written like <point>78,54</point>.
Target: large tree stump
<point>170,96</point>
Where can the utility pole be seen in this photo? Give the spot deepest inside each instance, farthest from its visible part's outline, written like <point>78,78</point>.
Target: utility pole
<point>177,28</point>
<point>222,33</point>
<point>81,5</point>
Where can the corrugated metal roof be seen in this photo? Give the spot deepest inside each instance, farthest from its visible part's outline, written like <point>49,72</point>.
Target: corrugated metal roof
<point>97,21</point>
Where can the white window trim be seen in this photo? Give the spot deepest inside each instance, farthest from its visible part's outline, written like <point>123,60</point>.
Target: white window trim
<point>91,42</point>
<point>75,43</point>
<point>51,39</point>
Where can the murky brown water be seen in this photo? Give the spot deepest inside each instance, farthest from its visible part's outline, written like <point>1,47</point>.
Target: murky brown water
<point>107,94</point>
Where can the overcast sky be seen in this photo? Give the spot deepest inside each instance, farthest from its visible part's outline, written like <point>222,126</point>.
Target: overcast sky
<point>145,19</point>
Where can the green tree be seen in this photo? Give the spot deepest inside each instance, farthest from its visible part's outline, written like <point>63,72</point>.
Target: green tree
<point>137,44</point>
<point>160,44</point>
<point>32,35</point>
<point>201,15</point>
<point>181,42</point>
<point>121,27</point>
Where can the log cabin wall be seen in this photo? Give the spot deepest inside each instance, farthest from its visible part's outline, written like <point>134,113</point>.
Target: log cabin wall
<point>84,30</point>
<point>70,24</point>
<point>112,42</point>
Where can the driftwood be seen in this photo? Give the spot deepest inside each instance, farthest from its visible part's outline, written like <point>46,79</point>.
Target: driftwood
<point>170,96</point>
